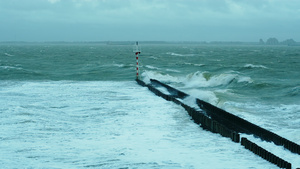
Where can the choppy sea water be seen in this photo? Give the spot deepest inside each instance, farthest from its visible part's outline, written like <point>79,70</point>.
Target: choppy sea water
<point>77,105</point>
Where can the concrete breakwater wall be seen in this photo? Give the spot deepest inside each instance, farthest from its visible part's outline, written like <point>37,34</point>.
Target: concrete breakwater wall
<point>228,125</point>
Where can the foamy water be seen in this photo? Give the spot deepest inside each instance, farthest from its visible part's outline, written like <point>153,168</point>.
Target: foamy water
<point>69,124</point>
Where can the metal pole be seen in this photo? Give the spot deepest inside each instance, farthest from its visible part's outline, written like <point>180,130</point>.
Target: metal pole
<point>137,65</point>
<point>137,51</point>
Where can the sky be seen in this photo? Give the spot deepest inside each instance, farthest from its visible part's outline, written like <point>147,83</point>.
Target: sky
<point>149,20</point>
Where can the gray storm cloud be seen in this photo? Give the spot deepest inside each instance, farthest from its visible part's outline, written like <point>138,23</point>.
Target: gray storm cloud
<point>197,20</point>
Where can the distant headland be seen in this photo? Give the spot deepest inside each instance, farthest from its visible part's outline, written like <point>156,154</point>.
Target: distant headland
<point>261,42</point>
<point>274,41</point>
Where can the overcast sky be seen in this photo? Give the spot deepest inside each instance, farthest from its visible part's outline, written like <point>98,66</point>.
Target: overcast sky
<point>168,20</point>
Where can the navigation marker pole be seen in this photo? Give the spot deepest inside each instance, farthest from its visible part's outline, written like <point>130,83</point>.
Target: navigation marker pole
<point>137,51</point>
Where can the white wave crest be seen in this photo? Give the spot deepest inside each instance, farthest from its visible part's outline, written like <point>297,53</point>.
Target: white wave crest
<point>118,65</point>
<point>198,79</point>
<point>7,54</point>
<point>147,75</point>
<point>255,66</point>
<point>10,67</point>
<point>208,96</point>
<point>193,64</point>
<point>172,70</point>
<point>156,68</point>
<point>152,67</point>
<point>177,54</point>
<point>244,79</point>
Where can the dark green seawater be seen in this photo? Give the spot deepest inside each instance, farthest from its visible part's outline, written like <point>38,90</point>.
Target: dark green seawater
<point>267,73</point>
<point>78,62</point>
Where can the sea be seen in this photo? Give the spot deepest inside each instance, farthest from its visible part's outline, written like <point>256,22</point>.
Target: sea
<point>77,105</point>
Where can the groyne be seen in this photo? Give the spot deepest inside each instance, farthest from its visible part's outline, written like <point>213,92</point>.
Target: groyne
<point>219,121</point>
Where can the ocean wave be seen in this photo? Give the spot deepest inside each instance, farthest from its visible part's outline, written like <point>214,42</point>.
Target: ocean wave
<point>198,79</point>
<point>294,91</point>
<point>7,54</point>
<point>205,79</point>
<point>194,64</point>
<point>177,54</point>
<point>251,66</point>
<point>206,95</point>
<point>156,68</point>
<point>118,65</point>
<point>172,70</point>
<point>262,85</point>
<point>147,75</point>
<point>10,68</point>
<point>11,72</point>
<point>152,67</point>
<point>153,57</point>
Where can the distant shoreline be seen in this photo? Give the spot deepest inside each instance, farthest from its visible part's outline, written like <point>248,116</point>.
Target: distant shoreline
<point>148,42</point>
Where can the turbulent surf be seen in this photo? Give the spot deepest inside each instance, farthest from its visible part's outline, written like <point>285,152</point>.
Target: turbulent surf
<point>76,105</point>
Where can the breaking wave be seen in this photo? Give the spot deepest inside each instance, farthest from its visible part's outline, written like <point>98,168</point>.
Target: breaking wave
<point>177,54</point>
<point>10,68</point>
<point>205,79</point>
<point>194,64</point>
<point>147,75</point>
<point>7,54</point>
<point>251,66</point>
<point>198,79</point>
<point>152,67</point>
